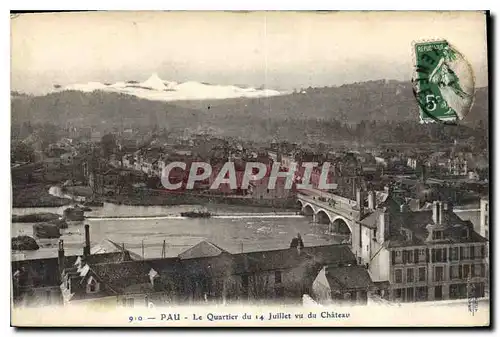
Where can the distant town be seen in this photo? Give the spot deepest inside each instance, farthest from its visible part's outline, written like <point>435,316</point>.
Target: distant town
<point>393,216</point>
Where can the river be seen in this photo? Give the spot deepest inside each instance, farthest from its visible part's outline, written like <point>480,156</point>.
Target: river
<point>235,229</point>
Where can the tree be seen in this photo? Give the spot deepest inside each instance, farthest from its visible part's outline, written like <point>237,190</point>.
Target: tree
<point>21,152</point>
<point>108,145</point>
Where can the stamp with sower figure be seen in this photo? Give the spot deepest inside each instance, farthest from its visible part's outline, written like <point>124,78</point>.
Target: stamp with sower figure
<point>443,82</point>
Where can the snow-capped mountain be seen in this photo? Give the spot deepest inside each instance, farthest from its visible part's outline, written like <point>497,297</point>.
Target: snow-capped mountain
<point>154,88</point>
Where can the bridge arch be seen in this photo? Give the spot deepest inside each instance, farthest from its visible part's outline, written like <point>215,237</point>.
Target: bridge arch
<point>323,217</point>
<point>342,226</point>
<point>308,210</point>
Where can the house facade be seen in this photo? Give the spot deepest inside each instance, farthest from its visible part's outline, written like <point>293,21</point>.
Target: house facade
<point>427,255</point>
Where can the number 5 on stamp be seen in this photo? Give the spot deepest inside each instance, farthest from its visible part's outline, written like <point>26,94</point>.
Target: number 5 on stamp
<point>443,82</point>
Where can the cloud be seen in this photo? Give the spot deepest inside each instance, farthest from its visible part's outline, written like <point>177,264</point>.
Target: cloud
<point>292,48</point>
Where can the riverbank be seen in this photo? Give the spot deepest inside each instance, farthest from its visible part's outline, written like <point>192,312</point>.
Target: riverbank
<point>35,195</point>
<point>35,217</point>
<point>175,200</point>
<point>150,197</point>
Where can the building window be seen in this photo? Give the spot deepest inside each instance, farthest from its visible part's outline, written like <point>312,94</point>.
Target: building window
<point>483,270</point>
<point>476,290</point>
<point>458,291</point>
<point>464,253</point>
<point>479,252</point>
<point>438,292</point>
<point>471,252</point>
<point>421,274</point>
<point>439,255</point>
<point>396,257</point>
<point>407,256</point>
<point>476,270</point>
<point>454,254</point>
<point>399,276</point>
<point>277,277</point>
<point>454,272</point>
<point>466,271</point>
<point>409,295</point>
<point>409,275</point>
<point>416,255</point>
<point>437,235</point>
<point>398,294</point>
<point>421,293</point>
<point>438,274</point>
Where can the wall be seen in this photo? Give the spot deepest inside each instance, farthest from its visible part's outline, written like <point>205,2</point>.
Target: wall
<point>262,287</point>
<point>366,244</point>
<point>102,303</point>
<point>430,283</point>
<point>380,267</point>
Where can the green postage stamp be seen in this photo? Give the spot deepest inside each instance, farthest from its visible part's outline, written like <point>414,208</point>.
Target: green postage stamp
<point>443,82</point>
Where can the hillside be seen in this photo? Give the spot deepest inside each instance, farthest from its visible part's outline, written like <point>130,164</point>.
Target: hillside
<point>352,103</point>
<point>98,108</point>
<point>349,103</point>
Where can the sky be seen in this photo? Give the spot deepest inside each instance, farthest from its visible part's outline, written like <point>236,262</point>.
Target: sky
<point>276,50</point>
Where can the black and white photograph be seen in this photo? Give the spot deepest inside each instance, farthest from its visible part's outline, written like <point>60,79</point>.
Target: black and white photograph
<point>225,168</point>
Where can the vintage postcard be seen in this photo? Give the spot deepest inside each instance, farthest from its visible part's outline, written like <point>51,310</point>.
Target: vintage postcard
<point>226,169</point>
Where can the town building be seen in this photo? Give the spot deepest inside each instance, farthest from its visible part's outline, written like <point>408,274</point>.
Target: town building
<point>425,255</point>
<point>105,182</point>
<point>204,273</point>
<point>484,228</point>
<point>484,218</point>
<point>343,284</point>
<point>457,166</point>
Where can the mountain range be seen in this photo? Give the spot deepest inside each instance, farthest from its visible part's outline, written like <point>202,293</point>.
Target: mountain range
<point>156,89</point>
<point>229,109</point>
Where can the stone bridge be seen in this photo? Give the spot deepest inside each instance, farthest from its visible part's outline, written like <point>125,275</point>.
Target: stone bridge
<point>341,215</point>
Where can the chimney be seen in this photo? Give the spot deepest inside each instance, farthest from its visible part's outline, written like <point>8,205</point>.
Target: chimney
<point>423,173</point>
<point>360,200</point>
<point>383,229</point>
<point>86,248</point>
<point>450,207</point>
<point>371,200</point>
<point>435,216</point>
<point>437,212</point>
<point>60,259</point>
<point>443,209</point>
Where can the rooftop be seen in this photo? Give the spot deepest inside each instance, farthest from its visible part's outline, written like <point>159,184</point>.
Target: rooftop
<point>206,259</point>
